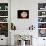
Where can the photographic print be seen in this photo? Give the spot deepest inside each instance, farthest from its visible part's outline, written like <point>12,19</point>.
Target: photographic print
<point>3,13</point>
<point>41,19</point>
<point>23,14</point>
<point>42,32</point>
<point>3,19</point>
<point>3,6</point>
<point>41,13</point>
<point>4,29</point>
<point>41,25</point>
<point>41,6</point>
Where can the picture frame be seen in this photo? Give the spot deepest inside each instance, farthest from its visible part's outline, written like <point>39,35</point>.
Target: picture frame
<point>23,14</point>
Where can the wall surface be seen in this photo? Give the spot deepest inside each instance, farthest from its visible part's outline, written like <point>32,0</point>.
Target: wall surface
<point>23,24</point>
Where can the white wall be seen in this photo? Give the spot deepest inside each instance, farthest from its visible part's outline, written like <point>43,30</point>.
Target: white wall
<point>22,5</point>
<point>23,24</point>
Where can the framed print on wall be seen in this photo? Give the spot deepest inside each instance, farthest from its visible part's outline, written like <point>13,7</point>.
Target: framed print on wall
<point>42,32</point>
<point>23,14</point>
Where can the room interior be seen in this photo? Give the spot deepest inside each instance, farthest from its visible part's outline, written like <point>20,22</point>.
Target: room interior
<point>22,22</point>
